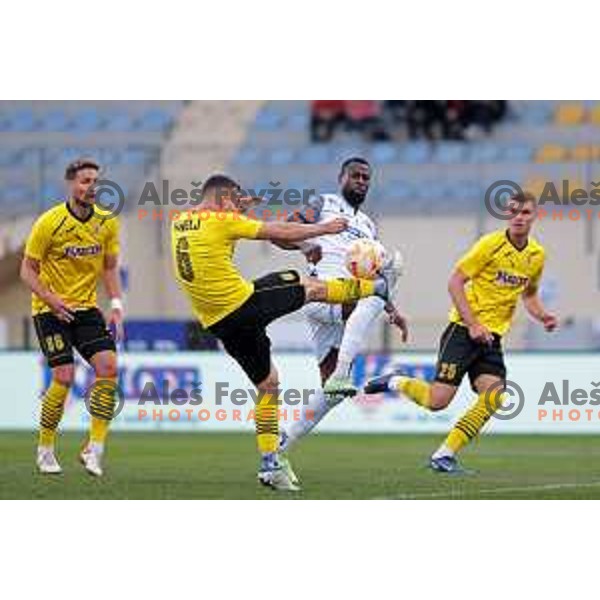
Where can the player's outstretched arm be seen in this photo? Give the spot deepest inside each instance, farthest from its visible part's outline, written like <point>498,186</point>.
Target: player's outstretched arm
<point>298,232</point>
<point>30,275</point>
<point>312,251</point>
<point>534,306</point>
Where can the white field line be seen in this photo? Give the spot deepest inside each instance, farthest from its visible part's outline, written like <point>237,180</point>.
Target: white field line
<point>450,494</point>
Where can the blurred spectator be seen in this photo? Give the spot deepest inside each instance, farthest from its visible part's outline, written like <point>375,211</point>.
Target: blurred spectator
<point>326,116</point>
<point>365,116</point>
<point>426,119</point>
<point>454,120</point>
<point>417,119</point>
<point>396,111</point>
<point>482,115</point>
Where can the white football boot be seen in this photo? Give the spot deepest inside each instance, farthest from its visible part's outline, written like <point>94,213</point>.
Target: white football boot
<point>46,461</point>
<point>91,459</point>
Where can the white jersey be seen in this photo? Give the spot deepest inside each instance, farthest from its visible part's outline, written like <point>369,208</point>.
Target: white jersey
<point>334,247</point>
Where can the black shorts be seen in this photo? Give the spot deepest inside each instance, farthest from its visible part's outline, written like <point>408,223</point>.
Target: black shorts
<point>87,333</point>
<point>459,355</point>
<point>243,332</point>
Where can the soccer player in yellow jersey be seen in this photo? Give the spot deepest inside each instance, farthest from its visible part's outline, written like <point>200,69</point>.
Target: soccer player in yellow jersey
<point>238,311</point>
<point>485,286</point>
<point>71,247</point>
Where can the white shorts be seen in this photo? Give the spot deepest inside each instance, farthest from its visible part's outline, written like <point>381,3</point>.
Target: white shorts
<point>326,327</point>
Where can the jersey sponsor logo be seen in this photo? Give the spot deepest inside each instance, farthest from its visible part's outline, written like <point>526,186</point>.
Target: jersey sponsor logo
<point>83,251</point>
<point>355,232</point>
<point>187,225</point>
<point>510,280</point>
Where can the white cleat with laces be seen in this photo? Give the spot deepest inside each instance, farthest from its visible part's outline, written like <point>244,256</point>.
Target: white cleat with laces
<point>46,462</point>
<point>92,461</point>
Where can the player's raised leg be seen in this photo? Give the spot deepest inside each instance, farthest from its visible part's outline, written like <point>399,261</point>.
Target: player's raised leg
<point>431,396</point>
<point>358,327</point>
<point>343,291</point>
<point>456,354</point>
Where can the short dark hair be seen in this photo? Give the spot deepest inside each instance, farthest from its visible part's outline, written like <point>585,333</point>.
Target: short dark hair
<point>354,160</point>
<point>524,196</point>
<point>78,165</point>
<point>218,181</point>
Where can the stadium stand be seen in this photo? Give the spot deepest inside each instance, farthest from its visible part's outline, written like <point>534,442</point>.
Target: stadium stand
<point>427,196</point>
<point>432,192</point>
<point>37,140</point>
<point>39,137</point>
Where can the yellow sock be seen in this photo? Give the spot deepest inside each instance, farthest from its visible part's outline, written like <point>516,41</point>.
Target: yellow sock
<point>340,291</point>
<point>267,425</point>
<point>102,406</point>
<point>53,405</point>
<point>472,422</point>
<point>417,390</point>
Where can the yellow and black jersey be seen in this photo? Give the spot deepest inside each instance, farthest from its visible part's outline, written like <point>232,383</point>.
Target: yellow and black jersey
<point>498,274</point>
<point>71,252</point>
<point>203,243</point>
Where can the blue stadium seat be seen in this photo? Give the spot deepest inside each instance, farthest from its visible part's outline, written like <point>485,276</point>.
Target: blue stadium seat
<point>52,157</point>
<point>55,120</point>
<point>86,120</point>
<point>118,121</point>
<point>134,156</point>
<point>449,153</point>
<point>398,190</point>
<point>19,193</point>
<point>247,156</point>
<point>415,153</point>
<point>268,120</point>
<point>483,153</point>
<point>281,156</point>
<point>25,157</point>
<point>315,155</point>
<point>53,190</point>
<point>433,189</point>
<point>297,122</point>
<point>10,157</point>
<point>533,113</point>
<point>21,120</point>
<point>460,189</point>
<point>384,153</point>
<point>105,155</point>
<point>154,120</point>
<point>69,153</point>
<point>518,153</point>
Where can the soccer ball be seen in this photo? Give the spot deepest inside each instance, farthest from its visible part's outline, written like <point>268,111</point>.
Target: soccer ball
<point>365,258</point>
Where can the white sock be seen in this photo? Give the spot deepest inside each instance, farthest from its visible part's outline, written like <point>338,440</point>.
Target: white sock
<point>312,413</point>
<point>443,450</point>
<point>394,383</point>
<point>356,331</point>
<point>96,448</point>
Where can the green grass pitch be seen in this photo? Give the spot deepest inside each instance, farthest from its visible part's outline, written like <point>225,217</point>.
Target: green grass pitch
<point>223,466</point>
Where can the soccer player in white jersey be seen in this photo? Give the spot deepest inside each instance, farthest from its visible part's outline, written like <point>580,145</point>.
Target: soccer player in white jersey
<point>339,332</point>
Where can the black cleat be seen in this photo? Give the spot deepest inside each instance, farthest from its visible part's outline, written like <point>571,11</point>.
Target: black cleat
<point>379,385</point>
